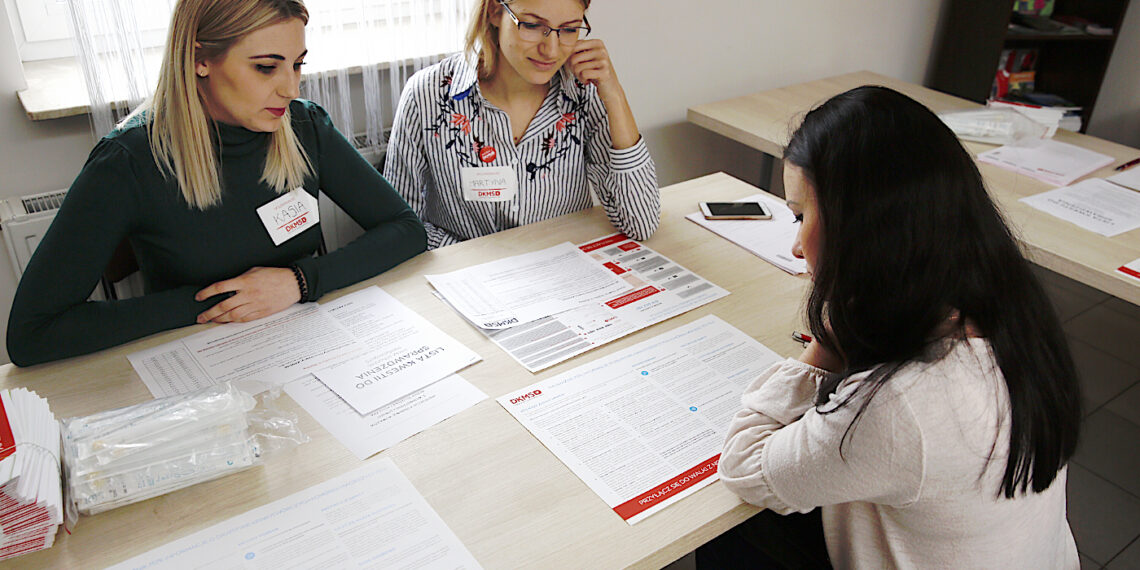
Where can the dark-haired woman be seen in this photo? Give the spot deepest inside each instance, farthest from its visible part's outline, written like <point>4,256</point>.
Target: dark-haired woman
<point>933,416</point>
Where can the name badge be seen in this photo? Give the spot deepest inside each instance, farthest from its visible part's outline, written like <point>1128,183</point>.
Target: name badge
<point>289,215</point>
<point>489,183</point>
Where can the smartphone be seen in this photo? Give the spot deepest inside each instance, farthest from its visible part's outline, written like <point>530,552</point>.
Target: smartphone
<point>735,211</point>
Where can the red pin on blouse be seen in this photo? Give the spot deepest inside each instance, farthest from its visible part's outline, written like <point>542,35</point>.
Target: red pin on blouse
<point>487,154</point>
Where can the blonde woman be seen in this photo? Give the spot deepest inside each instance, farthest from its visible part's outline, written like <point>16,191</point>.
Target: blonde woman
<point>520,128</point>
<point>214,183</point>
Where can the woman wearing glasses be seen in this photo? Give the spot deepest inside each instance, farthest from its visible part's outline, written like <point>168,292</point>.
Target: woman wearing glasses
<point>520,128</point>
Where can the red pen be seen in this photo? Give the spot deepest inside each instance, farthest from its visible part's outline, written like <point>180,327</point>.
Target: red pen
<point>1127,165</point>
<point>801,337</point>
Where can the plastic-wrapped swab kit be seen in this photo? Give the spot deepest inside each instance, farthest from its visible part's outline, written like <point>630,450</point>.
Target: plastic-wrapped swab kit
<point>127,455</point>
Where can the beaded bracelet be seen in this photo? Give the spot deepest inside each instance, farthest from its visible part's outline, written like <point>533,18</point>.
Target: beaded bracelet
<point>301,283</point>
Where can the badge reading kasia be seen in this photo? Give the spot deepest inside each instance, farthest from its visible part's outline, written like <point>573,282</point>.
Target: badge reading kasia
<point>289,215</point>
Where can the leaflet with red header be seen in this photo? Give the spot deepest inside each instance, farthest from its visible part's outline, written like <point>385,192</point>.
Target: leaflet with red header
<point>1131,269</point>
<point>31,497</point>
<point>655,289</point>
<point>643,427</point>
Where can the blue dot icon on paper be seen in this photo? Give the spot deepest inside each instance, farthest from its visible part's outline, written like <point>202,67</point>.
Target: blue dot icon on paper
<point>645,373</point>
<point>249,556</point>
<point>692,408</point>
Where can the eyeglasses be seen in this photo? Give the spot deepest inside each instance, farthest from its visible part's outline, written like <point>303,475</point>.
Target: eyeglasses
<point>535,32</point>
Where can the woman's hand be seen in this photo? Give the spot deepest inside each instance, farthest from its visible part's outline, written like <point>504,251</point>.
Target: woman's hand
<point>591,64</point>
<point>257,293</point>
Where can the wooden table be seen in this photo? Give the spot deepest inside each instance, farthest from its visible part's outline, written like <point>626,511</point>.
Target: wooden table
<point>511,501</point>
<point>765,121</point>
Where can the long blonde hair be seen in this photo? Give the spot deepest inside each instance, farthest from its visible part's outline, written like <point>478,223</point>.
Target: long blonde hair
<point>482,41</point>
<point>179,127</point>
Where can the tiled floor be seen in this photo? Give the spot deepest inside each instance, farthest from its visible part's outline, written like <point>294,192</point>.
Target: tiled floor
<point>1104,476</point>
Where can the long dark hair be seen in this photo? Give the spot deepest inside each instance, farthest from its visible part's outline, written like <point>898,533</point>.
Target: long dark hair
<point>909,235</point>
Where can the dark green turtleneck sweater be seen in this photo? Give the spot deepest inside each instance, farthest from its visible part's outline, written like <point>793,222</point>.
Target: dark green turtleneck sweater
<point>120,193</point>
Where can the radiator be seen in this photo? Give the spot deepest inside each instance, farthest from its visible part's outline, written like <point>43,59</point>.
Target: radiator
<point>23,221</point>
<point>26,219</point>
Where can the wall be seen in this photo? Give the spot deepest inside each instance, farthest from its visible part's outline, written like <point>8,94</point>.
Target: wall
<point>1117,113</point>
<point>36,156</point>
<point>672,54</point>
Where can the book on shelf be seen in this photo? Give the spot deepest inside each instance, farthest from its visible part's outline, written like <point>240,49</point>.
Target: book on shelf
<point>1087,26</point>
<point>1037,24</point>
<point>1033,7</point>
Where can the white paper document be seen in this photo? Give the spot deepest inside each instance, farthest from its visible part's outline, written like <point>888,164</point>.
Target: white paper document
<point>1129,178</point>
<point>656,289</point>
<point>403,351</point>
<point>771,240</point>
<point>1047,160</point>
<point>1094,204</point>
<point>367,435</point>
<point>644,427</point>
<point>368,333</point>
<point>256,356</point>
<point>368,518</point>
<point>1131,269</point>
<point>517,290</point>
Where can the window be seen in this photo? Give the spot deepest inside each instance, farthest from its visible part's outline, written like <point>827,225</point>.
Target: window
<point>43,28</point>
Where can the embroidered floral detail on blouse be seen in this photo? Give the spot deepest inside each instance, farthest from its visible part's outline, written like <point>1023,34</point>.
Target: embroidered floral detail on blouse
<point>566,119</point>
<point>462,121</point>
<point>453,125</point>
<point>567,125</point>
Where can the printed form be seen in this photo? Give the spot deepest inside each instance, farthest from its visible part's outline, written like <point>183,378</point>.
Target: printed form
<point>379,350</point>
<point>644,427</point>
<point>1047,160</point>
<point>403,351</point>
<point>656,288</point>
<point>368,434</point>
<point>1094,204</point>
<point>770,240</point>
<point>516,290</point>
<point>368,518</point>
<point>256,356</point>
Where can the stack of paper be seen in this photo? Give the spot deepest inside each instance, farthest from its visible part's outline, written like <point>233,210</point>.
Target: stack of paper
<point>31,502</point>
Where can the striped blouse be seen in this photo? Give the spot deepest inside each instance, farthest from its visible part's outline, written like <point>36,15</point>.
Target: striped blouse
<point>443,123</point>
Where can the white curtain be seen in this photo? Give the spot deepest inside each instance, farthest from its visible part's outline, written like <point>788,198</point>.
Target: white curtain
<point>119,47</point>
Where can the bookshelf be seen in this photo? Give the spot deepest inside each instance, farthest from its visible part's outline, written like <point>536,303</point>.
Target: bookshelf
<point>972,34</point>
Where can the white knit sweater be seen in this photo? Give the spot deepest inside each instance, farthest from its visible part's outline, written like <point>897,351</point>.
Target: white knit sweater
<point>917,483</point>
